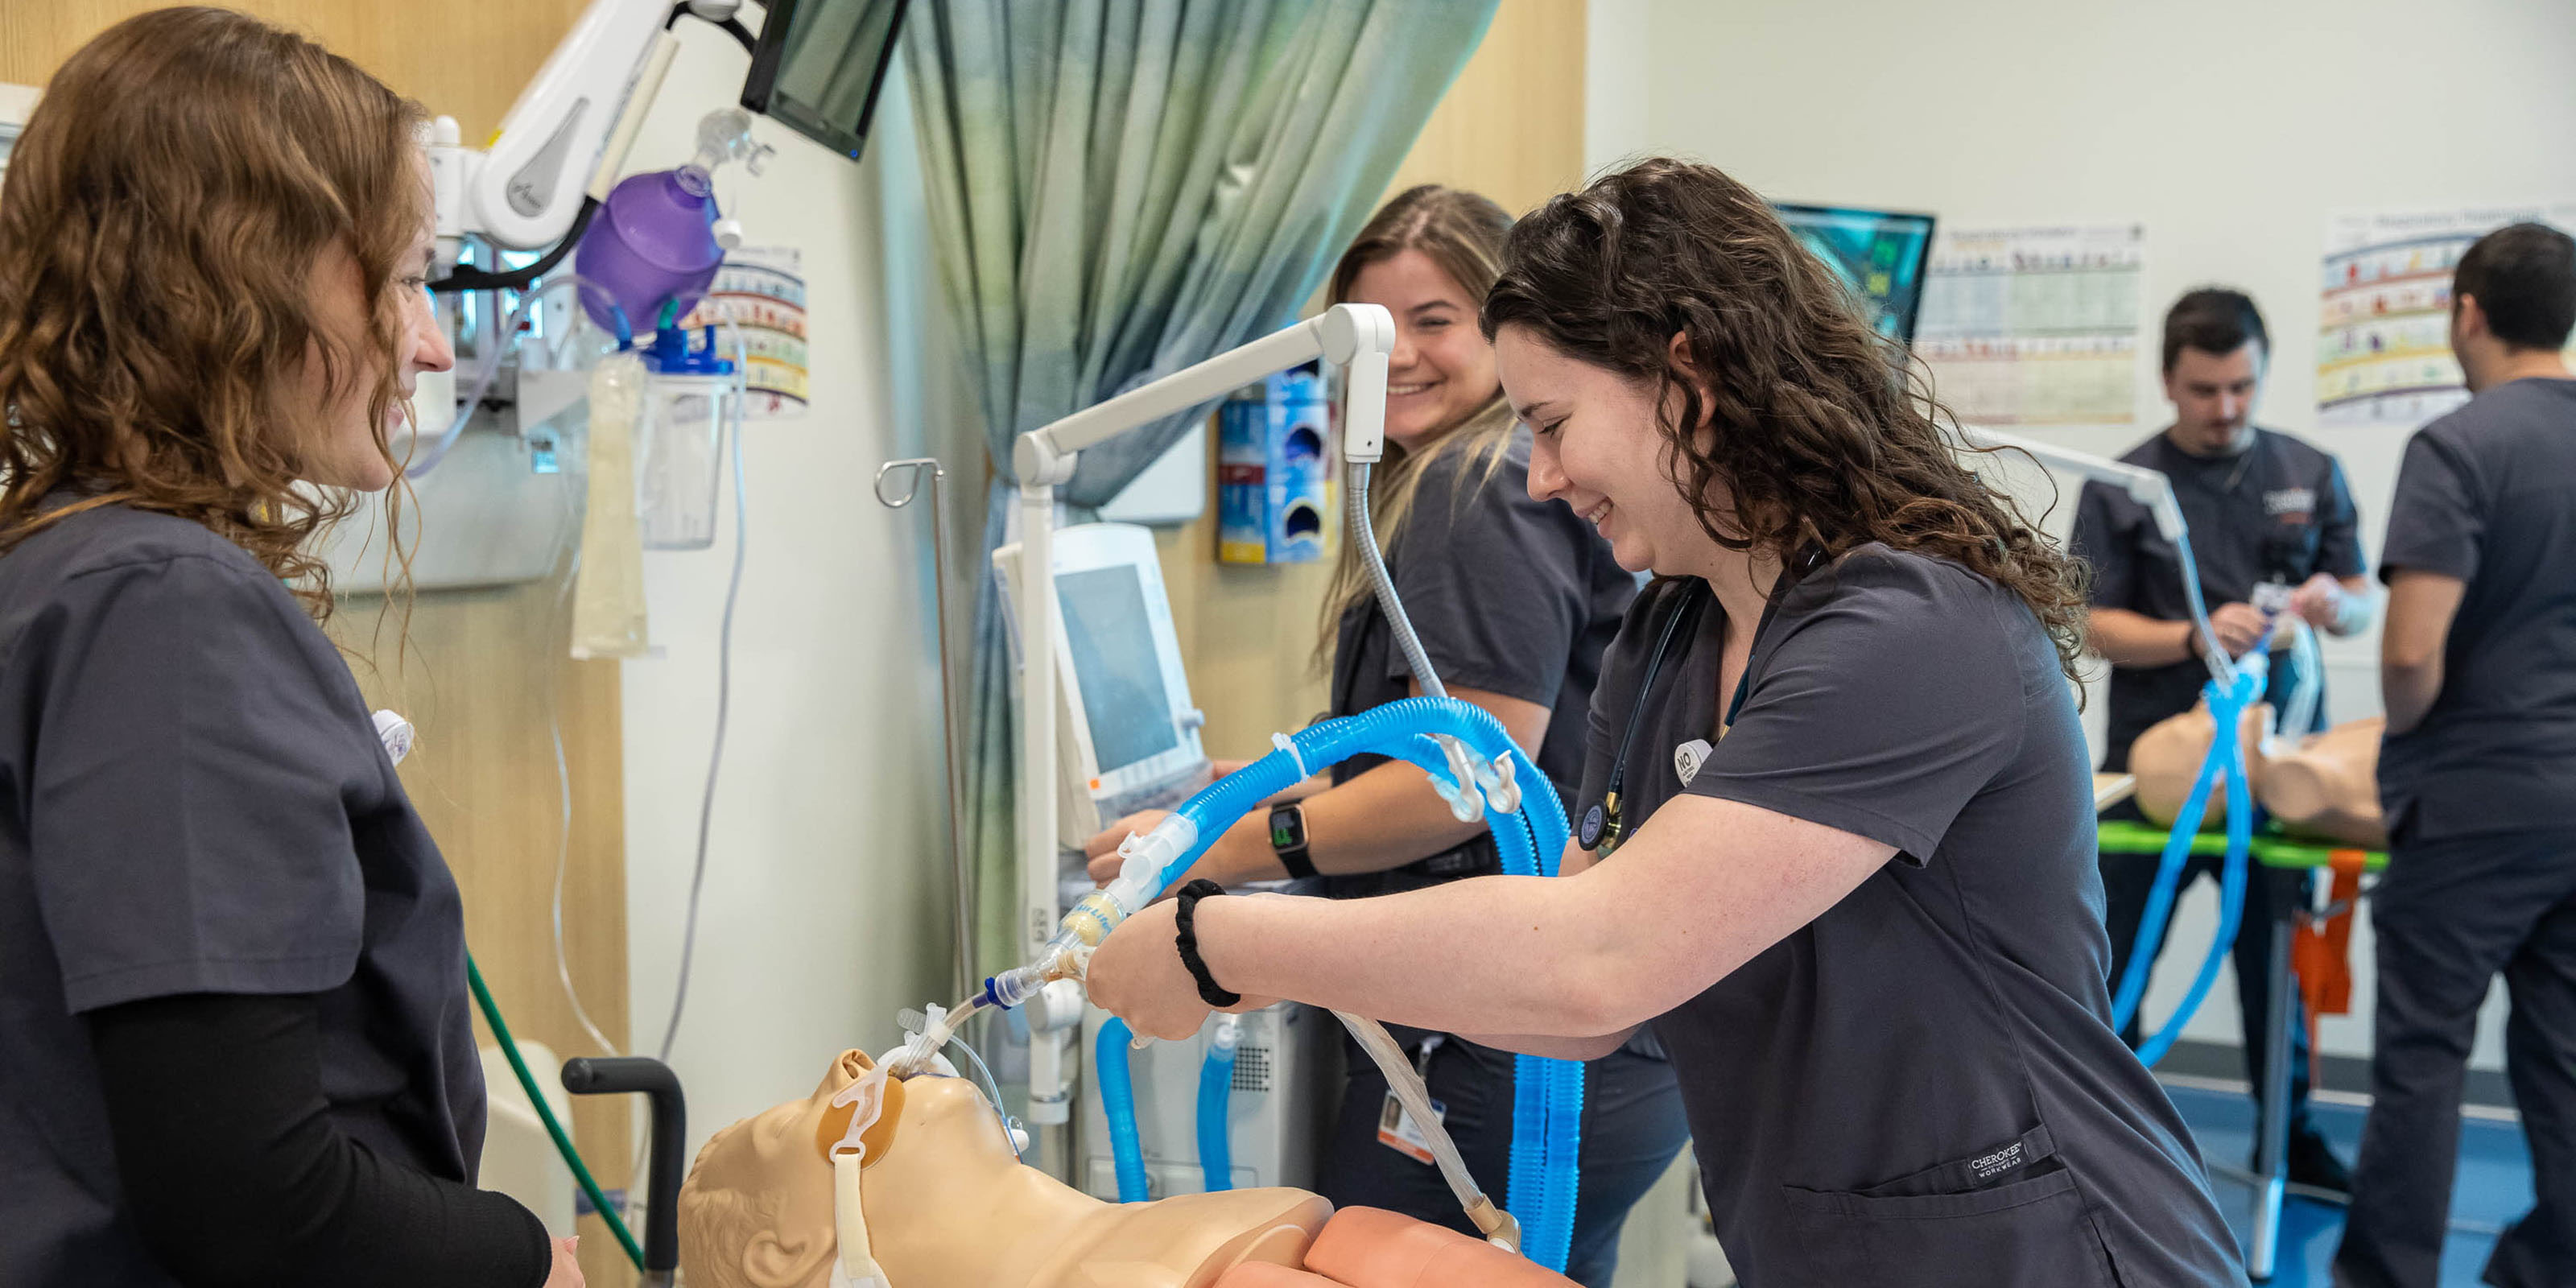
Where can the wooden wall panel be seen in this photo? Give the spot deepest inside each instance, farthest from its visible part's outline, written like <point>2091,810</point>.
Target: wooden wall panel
<point>1511,127</point>
<point>482,668</point>
<point>461,58</point>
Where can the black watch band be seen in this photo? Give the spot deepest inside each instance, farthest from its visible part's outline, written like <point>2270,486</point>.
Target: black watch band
<point>1188,941</point>
<point>1288,839</point>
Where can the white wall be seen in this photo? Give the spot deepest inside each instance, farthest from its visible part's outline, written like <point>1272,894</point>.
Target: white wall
<point>825,908</point>
<point>2231,130</point>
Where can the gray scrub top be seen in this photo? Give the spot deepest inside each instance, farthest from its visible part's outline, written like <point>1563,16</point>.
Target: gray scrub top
<point>1921,1085</point>
<point>2487,494</point>
<point>193,799</point>
<point>2279,510</point>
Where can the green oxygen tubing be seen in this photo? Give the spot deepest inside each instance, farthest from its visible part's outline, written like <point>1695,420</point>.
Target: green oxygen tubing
<point>546,1114</point>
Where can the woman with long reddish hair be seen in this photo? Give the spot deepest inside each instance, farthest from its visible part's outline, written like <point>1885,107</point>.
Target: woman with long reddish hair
<point>234,1044</point>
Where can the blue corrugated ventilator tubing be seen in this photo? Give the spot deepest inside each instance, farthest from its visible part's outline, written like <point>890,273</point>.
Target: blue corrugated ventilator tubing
<point>2226,759</point>
<point>1118,1097</point>
<point>1216,1151</point>
<point>1547,1098</point>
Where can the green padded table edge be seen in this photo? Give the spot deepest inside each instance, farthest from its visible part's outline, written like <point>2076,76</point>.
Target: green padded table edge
<point>2123,836</point>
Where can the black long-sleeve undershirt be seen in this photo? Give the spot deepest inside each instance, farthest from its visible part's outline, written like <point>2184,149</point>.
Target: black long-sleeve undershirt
<point>234,1173</point>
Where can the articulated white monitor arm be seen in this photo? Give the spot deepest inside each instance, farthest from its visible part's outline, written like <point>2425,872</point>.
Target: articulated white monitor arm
<point>2148,488</point>
<point>1357,337</point>
<point>564,138</point>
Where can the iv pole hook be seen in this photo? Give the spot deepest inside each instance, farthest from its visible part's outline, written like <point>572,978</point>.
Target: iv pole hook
<point>964,892</point>
<point>914,466</point>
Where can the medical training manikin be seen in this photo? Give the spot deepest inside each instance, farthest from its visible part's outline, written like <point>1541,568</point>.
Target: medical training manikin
<point>2325,785</point>
<point>947,1204</point>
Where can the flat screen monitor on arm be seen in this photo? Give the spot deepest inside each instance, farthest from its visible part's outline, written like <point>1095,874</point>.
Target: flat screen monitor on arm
<point>1127,736</point>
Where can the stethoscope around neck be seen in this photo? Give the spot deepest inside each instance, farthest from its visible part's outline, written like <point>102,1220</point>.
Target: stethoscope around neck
<point>1604,824</point>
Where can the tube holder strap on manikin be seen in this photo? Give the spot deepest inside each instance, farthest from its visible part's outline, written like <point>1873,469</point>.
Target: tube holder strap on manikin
<point>855,1265</point>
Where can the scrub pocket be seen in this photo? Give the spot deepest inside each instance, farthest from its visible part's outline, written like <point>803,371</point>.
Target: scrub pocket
<point>2031,1231</point>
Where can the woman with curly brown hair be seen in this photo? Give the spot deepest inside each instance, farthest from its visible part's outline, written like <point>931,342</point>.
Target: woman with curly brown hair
<point>1836,752</point>
<point>234,1045</point>
<point>1513,598</point>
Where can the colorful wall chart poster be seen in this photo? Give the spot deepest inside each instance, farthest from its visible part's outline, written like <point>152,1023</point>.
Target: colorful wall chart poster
<point>2034,326</point>
<point>2384,328</point>
<point>763,289</point>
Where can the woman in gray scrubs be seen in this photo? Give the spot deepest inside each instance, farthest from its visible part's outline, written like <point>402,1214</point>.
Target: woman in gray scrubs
<point>1513,598</point>
<point>1837,756</point>
<point>234,1044</point>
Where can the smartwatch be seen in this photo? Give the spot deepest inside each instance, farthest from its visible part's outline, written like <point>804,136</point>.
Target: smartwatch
<point>1288,839</point>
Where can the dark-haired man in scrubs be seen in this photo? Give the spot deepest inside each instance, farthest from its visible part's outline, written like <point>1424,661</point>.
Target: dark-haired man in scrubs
<point>2262,507</point>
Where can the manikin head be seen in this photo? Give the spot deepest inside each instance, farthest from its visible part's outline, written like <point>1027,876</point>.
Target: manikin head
<point>756,1210</point>
<point>2513,300</point>
<point>2215,352</point>
<point>948,1205</point>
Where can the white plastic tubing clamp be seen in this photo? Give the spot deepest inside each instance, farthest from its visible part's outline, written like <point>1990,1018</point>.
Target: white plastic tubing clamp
<point>1295,757</point>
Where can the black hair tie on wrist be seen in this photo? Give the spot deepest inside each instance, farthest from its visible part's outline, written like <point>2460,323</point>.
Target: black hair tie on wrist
<point>1188,939</point>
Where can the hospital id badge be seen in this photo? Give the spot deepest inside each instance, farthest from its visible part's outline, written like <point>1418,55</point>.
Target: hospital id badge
<point>1397,1131</point>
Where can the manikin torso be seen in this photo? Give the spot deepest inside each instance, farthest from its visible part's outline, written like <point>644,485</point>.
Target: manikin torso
<point>2325,785</point>
<point>949,1206</point>
<point>2166,759</point>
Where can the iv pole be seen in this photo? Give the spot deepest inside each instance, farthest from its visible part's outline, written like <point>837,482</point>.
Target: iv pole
<point>1356,336</point>
<point>962,876</point>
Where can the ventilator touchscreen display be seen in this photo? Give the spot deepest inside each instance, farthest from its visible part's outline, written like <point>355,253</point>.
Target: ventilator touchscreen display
<point>1114,661</point>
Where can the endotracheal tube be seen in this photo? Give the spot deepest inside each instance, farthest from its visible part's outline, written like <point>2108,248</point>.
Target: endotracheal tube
<point>1148,862</point>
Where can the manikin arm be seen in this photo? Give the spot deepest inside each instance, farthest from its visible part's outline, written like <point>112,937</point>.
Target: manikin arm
<point>1703,887</point>
<point>2420,608</point>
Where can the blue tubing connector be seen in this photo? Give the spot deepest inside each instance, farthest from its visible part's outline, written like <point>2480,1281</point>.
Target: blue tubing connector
<point>1118,1101</point>
<point>2225,761</point>
<point>1216,1150</point>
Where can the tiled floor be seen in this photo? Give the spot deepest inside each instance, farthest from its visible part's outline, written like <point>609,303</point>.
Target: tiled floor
<point>2494,1186</point>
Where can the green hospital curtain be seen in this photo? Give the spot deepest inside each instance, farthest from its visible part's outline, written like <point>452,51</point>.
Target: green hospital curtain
<point>1117,189</point>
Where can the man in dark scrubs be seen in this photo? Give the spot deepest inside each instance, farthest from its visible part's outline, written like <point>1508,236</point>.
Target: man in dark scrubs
<point>2478,777</point>
<point>2262,507</point>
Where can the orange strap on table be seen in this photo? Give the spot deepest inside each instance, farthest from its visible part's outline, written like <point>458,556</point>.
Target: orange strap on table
<point>2322,953</point>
